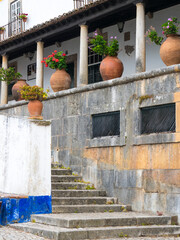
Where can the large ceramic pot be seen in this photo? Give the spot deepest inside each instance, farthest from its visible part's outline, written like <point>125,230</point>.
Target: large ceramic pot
<point>60,80</point>
<point>35,109</point>
<point>111,67</point>
<point>17,87</point>
<point>170,50</point>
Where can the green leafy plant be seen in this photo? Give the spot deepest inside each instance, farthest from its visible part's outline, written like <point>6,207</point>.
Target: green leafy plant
<point>57,60</point>
<point>8,75</point>
<point>2,28</point>
<point>101,47</point>
<point>33,93</point>
<point>23,15</point>
<point>169,27</point>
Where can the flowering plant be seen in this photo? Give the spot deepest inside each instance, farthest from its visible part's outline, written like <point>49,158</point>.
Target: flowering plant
<point>2,28</point>
<point>33,93</point>
<point>8,75</point>
<point>169,27</point>
<point>23,15</point>
<point>57,60</point>
<point>101,47</point>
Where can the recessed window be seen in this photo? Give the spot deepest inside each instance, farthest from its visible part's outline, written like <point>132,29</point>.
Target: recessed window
<point>158,119</point>
<point>106,124</point>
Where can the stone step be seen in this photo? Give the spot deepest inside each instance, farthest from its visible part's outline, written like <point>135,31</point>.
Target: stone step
<point>65,178</point>
<point>66,185</point>
<point>58,233</point>
<point>83,200</point>
<point>90,208</point>
<point>78,193</point>
<point>61,172</point>
<point>83,220</point>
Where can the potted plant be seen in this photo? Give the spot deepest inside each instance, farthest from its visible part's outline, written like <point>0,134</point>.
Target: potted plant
<point>60,80</point>
<point>170,48</point>
<point>9,75</point>
<point>23,16</point>
<point>2,29</point>
<point>110,67</point>
<point>35,95</point>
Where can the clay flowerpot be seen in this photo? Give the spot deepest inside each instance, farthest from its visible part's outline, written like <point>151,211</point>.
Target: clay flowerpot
<point>60,80</point>
<point>24,19</point>
<point>35,109</point>
<point>1,31</point>
<point>17,87</point>
<point>170,50</point>
<point>111,67</point>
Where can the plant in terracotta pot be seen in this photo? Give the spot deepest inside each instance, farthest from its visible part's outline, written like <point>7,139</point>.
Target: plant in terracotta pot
<point>170,48</point>
<point>8,75</point>
<point>35,95</point>
<point>2,29</point>
<point>110,67</point>
<point>60,80</point>
<point>23,16</point>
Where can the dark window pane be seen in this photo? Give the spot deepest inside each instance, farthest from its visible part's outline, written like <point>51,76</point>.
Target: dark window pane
<point>94,74</point>
<point>106,124</point>
<point>158,119</point>
<point>70,70</point>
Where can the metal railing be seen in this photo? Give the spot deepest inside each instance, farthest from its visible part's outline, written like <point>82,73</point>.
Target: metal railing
<point>81,3</point>
<point>13,28</point>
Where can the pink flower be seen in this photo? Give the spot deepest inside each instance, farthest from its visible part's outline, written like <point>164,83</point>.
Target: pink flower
<point>46,65</point>
<point>55,51</point>
<point>163,32</point>
<point>64,55</point>
<point>170,19</point>
<point>57,60</point>
<point>167,26</point>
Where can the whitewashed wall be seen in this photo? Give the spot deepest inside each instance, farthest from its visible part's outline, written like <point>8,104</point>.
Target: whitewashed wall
<point>38,11</point>
<point>25,156</point>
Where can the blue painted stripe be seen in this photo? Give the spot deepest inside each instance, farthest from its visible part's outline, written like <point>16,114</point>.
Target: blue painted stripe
<point>20,210</point>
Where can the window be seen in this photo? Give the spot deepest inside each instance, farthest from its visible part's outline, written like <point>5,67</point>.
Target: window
<point>158,119</point>
<point>106,124</point>
<point>15,9</point>
<point>94,61</point>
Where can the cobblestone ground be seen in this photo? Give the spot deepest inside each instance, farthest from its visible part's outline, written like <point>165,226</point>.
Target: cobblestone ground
<point>7,233</point>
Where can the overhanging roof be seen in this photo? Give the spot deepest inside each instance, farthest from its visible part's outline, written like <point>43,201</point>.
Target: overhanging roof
<point>100,14</point>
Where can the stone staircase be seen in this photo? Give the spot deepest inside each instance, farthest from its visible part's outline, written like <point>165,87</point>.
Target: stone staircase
<point>82,212</point>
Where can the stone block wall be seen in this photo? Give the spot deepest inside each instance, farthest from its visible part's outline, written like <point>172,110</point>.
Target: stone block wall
<point>142,170</point>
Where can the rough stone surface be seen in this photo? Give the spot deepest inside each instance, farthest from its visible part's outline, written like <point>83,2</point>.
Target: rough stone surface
<point>8,233</point>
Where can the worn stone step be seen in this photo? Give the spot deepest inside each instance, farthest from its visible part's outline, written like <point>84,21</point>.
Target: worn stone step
<point>83,220</point>
<point>78,193</point>
<point>66,185</point>
<point>90,208</point>
<point>59,233</point>
<point>61,172</point>
<point>82,200</point>
<point>65,178</point>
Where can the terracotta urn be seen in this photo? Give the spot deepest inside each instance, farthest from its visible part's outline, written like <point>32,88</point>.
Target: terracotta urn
<point>60,80</point>
<point>17,87</point>
<point>1,31</point>
<point>170,50</point>
<point>111,67</point>
<point>35,109</point>
<point>24,19</point>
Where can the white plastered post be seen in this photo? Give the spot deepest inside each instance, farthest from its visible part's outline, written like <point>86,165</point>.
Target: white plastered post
<point>39,71</point>
<point>140,38</point>
<point>83,71</point>
<point>4,86</point>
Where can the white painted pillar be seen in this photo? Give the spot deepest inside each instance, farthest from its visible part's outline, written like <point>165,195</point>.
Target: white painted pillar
<point>4,86</point>
<point>140,38</point>
<point>83,71</point>
<point>39,65</point>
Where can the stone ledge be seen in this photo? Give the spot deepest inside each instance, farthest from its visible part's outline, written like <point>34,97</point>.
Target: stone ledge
<point>105,84</point>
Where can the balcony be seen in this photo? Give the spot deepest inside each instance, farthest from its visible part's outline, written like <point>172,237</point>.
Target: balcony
<point>13,28</point>
<point>81,3</point>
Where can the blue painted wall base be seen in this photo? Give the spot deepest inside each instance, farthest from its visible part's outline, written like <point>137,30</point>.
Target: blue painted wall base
<point>20,210</point>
